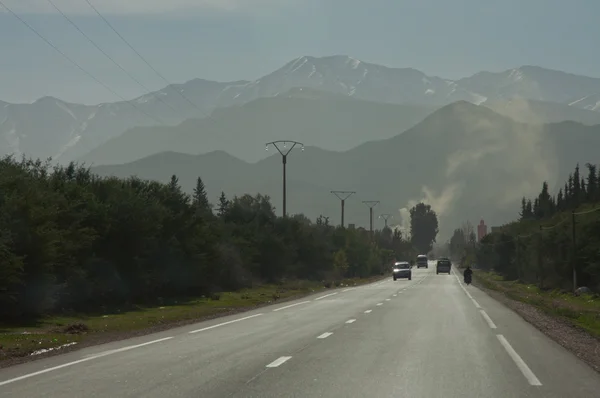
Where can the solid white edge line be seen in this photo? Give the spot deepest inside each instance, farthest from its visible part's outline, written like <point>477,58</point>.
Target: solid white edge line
<point>327,295</point>
<point>351,321</point>
<point>223,324</point>
<point>368,311</point>
<point>290,306</point>
<point>324,335</point>
<point>347,290</point>
<point>476,303</point>
<point>529,375</point>
<point>488,319</point>
<point>64,365</point>
<point>278,362</point>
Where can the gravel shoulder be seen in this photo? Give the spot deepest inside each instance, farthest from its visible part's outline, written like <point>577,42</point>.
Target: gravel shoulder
<point>561,329</point>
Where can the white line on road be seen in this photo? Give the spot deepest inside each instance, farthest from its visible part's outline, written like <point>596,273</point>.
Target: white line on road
<point>488,319</point>
<point>476,303</point>
<point>223,324</point>
<point>278,362</point>
<point>347,290</point>
<point>351,321</point>
<point>531,378</point>
<point>368,311</point>
<point>324,335</point>
<point>387,299</point>
<point>289,306</point>
<point>395,295</point>
<point>327,295</point>
<point>379,303</point>
<point>64,365</point>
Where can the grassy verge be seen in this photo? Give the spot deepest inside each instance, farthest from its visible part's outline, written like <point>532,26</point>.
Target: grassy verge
<point>54,333</point>
<point>582,311</point>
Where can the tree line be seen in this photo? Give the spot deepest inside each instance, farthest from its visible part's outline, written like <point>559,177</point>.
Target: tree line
<point>73,241</point>
<point>555,243</point>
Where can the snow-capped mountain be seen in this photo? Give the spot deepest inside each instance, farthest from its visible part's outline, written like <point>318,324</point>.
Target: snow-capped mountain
<point>53,128</point>
<point>64,131</point>
<point>349,76</point>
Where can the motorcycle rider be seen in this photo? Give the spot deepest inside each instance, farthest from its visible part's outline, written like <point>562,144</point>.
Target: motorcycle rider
<point>468,274</point>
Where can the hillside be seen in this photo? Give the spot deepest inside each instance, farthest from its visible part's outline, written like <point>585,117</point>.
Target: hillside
<point>466,160</point>
<point>65,131</point>
<point>316,118</point>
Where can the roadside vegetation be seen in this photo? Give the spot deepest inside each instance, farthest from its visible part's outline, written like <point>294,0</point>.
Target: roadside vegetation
<point>550,256</point>
<point>82,254</point>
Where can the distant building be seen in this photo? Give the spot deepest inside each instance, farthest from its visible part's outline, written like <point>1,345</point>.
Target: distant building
<point>351,226</point>
<point>481,230</point>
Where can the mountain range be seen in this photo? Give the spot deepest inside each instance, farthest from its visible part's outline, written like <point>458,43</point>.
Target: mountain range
<point>466,160</point>
<point>50,127</point>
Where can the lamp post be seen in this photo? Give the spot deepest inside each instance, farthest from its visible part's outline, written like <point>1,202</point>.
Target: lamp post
<point>284,151</point>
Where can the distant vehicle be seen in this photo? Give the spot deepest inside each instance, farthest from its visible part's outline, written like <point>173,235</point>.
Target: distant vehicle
<point>402,270</point>
<point>443,265</point>
<point>422,261</point>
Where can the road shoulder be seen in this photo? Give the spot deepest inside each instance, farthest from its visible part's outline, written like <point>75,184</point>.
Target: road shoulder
<point>576,340</point>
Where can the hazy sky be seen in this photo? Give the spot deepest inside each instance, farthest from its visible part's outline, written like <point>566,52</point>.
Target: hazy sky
<point>244,39</point>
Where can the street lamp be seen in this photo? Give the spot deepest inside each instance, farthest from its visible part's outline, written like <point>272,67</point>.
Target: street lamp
<point>342,196</point>
<point>284,151</point>
<point>371,204</point>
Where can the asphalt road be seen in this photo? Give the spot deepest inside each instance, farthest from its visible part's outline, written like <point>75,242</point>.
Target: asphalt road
<point>429,337</point>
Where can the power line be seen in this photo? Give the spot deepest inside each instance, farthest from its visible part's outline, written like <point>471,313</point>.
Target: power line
<point>108,56</point>
<point>75,63</point>
<point>140,55</point>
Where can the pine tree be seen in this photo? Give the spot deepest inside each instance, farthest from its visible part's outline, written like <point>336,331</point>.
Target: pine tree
<point>577,194</point>
<point>174,183</point>
<point>200,198</point>
<point>223,204</point>
<point>523,213</point>
<point>560,200</point>
<point>592,183</point>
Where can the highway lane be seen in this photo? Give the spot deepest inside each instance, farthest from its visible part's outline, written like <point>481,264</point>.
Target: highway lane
<point>205,358</point>
<point>420,338</point>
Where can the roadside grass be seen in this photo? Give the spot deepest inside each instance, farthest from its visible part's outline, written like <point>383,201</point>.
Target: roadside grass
<point>55,331</point>
<point>582,311</point>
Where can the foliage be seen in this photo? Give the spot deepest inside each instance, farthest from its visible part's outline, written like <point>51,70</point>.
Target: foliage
<point>423,227</point>
<point>73,241</point>
<point>553,235</point>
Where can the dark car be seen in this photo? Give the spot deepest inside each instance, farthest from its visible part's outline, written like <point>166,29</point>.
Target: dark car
<point>402,269</point>
<point>422,261</point>
<point>443,265</point>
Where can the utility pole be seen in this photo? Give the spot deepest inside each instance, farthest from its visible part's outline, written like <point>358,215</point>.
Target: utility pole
<point>518,258</point>
<point>574,253</point>
<point>342,196</point>
<point>540,259</point>
<point>371,204</point>
<point>385,218</point>
<point>284,151</point>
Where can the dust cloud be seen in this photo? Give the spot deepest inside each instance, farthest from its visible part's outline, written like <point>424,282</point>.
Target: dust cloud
<point>513,156</point>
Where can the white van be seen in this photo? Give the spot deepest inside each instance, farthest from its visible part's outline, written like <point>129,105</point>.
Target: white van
<point>422,261</point>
